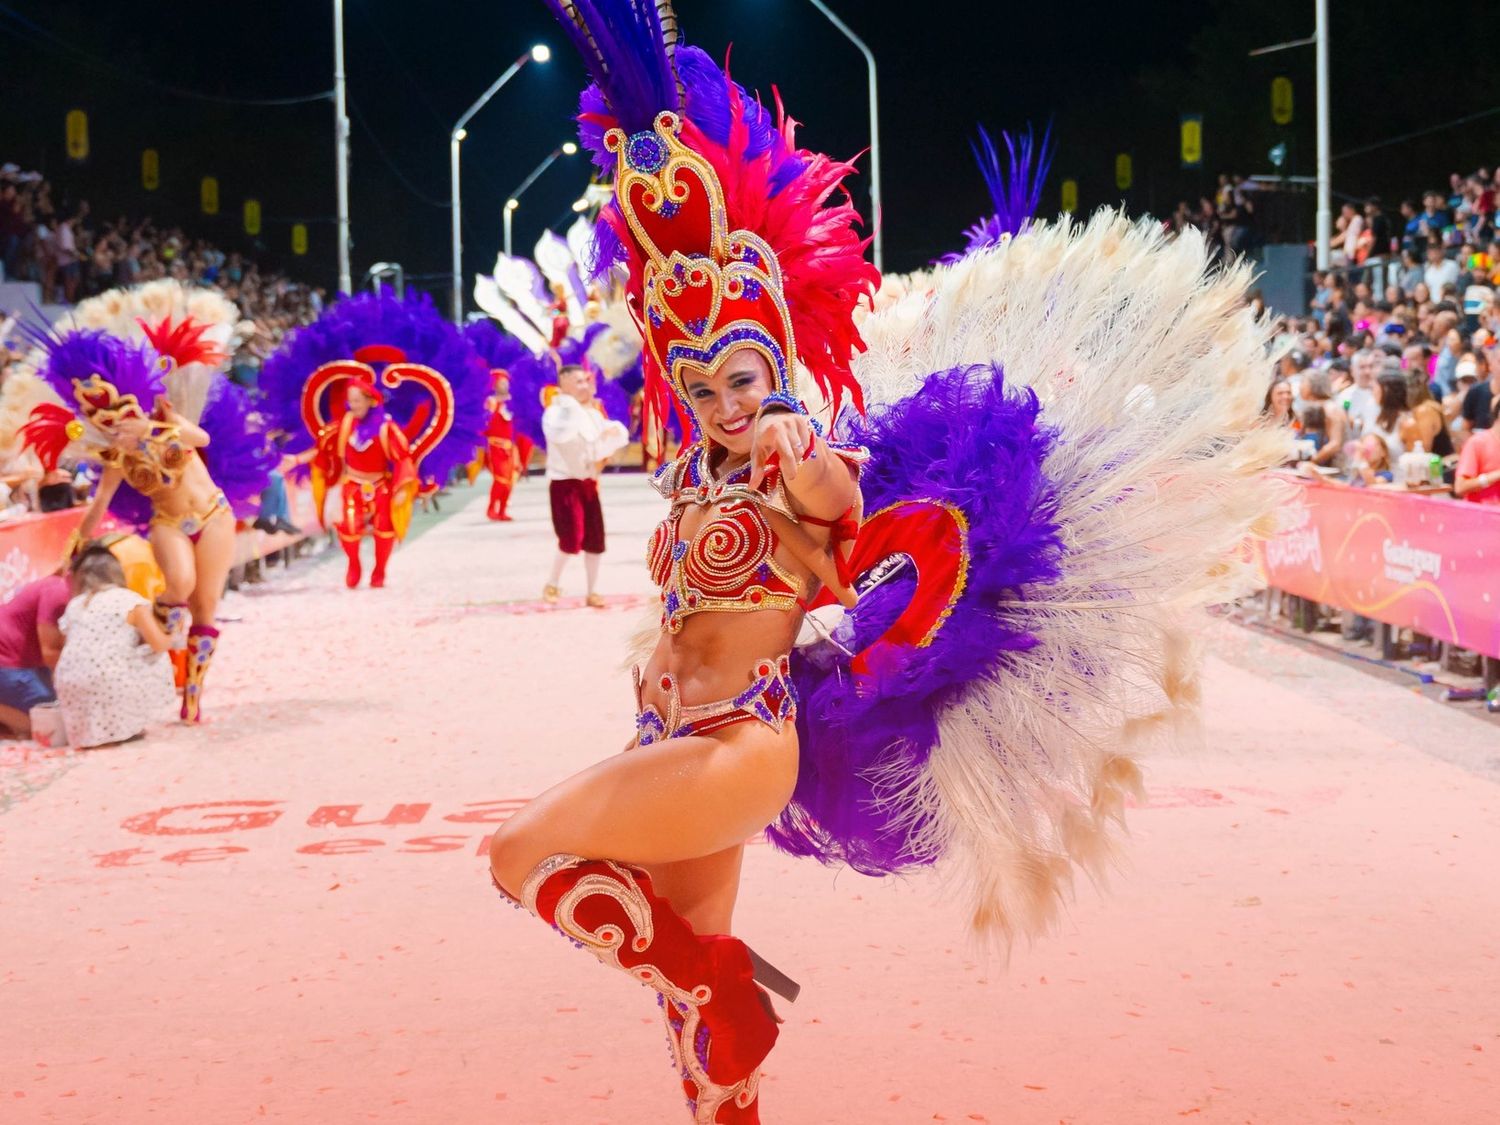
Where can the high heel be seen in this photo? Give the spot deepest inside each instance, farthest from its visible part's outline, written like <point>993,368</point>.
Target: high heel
<point>611,910</point>
<point>769,976</point>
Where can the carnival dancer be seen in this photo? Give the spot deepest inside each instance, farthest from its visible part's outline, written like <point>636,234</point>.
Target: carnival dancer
<point>1000,635</point>
<point>377,418</point>
<point>367,457</point>
<point>581,438</point>
<point>503,452</point>
<point>186,479</point>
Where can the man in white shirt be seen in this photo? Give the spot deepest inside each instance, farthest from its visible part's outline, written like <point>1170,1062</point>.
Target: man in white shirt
<point>1358,401</point>
<point>580,440</point>
<point>1441,271</point>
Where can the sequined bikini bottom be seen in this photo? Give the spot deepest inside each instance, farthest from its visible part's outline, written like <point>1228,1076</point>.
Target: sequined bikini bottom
<point>193,523</point>
<point>771,698</point>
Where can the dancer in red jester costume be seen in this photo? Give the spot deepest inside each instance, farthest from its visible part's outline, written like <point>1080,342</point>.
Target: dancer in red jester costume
<point>403,405</point>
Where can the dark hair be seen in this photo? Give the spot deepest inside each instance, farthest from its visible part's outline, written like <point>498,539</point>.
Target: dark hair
<point>96,568</point>
<point>1392,399</point>
<point>1313,418</point>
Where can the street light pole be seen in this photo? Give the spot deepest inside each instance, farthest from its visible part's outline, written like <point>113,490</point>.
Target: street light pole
<point>869,55</point>
<point>1318,40</point>
<point>567,148</point>
<point>341,146</point>
<point>1323,224</point>
<point>540,53</point>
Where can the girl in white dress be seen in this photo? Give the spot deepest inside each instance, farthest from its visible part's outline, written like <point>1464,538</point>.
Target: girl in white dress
<point>114,675</point>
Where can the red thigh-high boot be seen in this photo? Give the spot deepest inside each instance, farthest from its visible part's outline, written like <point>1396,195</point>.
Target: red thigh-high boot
<point>499,498</point>
<point>351,548</point>
<point>383,545</point>
<point>202,641</point>
<point>502,476</point>
<point>708,1102</point>
<point>351,529</point>
<point>726,1025</point>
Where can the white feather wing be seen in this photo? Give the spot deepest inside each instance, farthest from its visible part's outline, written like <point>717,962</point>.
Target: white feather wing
<point>1152,371</point>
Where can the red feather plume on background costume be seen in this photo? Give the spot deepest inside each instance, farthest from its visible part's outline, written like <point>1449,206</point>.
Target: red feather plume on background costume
<point>49,431</point>
<point>183,343</point>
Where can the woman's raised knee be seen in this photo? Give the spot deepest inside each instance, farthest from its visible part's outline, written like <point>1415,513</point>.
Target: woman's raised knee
<point>510,860</point>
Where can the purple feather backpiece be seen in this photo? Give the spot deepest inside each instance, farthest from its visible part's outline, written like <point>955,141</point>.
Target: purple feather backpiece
<point>969,440</point>
<point>1015,188</point>
<point>238,456</point>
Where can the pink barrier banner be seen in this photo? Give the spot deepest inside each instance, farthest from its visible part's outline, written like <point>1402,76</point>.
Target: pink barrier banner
<point>1427,563</point>
<point>32,546</point>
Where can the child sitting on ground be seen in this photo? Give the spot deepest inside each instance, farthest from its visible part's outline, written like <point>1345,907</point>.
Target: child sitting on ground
<point>114,675</point>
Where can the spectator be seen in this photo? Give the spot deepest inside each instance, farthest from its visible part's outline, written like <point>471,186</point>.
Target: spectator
<point>1390,401</point>
<point>1411,272</point>
<point>30,642</point>
<point>1277,410</point>
<point>1314,426</point>
<point>1453,401</point>
<point>1317,395</point>
<point>1371,463</point>
<point>1478,476</point>
<point>1433,221</point>
<point>1375,240</point>
<point>1444,327</point>
<point>1348,229</point>
<point>1424,423</point>
<point>1441,271</point>
<point>114,675</point>
<point>1478,411</point>
<point>1358,399</point>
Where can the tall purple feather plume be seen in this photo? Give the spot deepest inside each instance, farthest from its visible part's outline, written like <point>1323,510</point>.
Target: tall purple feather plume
<point>623,45</point>
<point>238,456</point>
<point>1015,189</point>
<point>968,440</point>
<point>412,324</point>
<point>132,368</point>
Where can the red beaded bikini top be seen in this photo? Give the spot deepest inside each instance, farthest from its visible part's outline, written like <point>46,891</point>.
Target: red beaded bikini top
<point>729,564</point>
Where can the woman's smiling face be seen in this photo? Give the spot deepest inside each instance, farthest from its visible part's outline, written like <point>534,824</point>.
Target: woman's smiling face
<point>726,401</point>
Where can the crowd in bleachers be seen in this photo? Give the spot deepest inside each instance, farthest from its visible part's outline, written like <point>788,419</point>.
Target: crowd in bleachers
<point>60,243</point>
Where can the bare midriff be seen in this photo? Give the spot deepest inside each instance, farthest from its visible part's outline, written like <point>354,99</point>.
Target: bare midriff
<point>193,494</point>
<point>711,657</point>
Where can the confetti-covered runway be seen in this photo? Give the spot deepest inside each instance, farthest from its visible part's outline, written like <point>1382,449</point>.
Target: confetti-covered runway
<point>285,915</point>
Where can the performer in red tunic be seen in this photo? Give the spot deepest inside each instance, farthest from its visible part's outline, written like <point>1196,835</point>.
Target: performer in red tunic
<point>363,452</point>
<point>507,451</point>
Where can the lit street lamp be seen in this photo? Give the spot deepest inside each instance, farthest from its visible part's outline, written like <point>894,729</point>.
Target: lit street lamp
<point>540,53</point>
<point>567,148</point>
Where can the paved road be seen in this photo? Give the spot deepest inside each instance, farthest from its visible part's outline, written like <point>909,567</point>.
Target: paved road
<point>283,916</point>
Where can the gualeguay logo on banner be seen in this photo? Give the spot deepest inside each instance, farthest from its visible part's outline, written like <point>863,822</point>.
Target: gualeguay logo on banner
<point>1298,544</point>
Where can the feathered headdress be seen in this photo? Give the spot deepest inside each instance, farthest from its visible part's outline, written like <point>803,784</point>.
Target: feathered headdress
<point>1015,189</point>
<point>724,224</point>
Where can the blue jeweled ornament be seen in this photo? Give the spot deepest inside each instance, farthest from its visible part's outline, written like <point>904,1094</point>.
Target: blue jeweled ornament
<point>646,152</point>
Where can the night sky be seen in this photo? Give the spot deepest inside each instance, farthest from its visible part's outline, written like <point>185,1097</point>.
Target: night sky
<point>1110,77</point>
